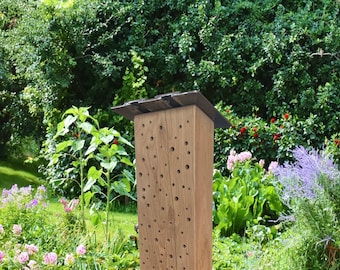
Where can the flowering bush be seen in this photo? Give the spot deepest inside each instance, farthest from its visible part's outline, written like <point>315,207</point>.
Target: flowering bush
<point>310,186</point>
<point>31,236</point>
<point>247,197</point>
<point>271,140</point>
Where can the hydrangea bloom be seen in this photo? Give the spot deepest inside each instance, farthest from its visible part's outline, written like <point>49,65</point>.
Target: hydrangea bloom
<point>81,249</point>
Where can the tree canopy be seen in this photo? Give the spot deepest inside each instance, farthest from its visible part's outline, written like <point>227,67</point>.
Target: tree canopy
<point>268,57</point>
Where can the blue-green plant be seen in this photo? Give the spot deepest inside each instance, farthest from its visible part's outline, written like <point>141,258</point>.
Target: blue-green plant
<point>243,197</point>
<point>310,187</point>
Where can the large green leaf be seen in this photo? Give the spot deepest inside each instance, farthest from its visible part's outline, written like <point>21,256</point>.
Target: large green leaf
<point>77,145</point>
<point>63,145</point>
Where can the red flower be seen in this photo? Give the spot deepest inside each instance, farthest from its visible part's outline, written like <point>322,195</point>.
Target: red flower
<point>76,135</point>
<point>256,135</point>
<point>254,129</point>
<point>272,120</point>
<point>337,142</point>
<point>243,130</point>
<point>227,111</point>
<point>276,136</point>
<point>286,116</point>
<point>281,126</point>
<point>115,141</point>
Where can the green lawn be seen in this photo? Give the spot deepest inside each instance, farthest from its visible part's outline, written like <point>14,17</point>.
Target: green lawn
<point>15,173</point>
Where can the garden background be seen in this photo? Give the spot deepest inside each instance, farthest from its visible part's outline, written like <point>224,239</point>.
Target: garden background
<point>271,67</point>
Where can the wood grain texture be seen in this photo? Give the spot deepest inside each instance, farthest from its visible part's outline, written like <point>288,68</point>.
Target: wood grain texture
<point>174,166</point>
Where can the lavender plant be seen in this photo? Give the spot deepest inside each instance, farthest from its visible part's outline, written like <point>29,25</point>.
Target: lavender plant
<point>310,187</point>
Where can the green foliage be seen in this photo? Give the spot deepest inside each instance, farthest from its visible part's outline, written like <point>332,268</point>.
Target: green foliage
<point>269,140</point>
<point>91,155</point>
<point>246,198</point>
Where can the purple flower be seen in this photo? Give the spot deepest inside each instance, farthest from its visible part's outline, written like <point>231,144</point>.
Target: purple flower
<point>302,178</point>
<point>2,256</point>
<point>32,203</point>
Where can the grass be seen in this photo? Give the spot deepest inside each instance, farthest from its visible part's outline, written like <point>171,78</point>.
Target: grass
<point>13,172</point>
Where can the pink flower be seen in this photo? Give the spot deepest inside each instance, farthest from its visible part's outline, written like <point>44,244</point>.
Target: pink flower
<point>261,162</point>
<point>272,166</point>
<point>23,257</point>
<point>69,259</point>
<point>32,264</point>
<point>50,258</point>
<point>31,249</point>
<point>17,230</point>
<point>2,256</point>
<point>234,157</point>
<point>2,231</point>
<point>81,249</point>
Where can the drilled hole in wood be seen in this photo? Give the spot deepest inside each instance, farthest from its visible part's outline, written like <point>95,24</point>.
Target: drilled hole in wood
<point>143,125</point>
<point>173,184</point>
<point>142,134</point>
<point>186,143</point>
<point>172,149</point>
<point>150,122</point>
<point>140,174</point>
<point>159,189</point>
<point>151,138</point>
<point>143,197</point>
<point>148,205</point>
<point>162,208</point>
<point>143,189</point>
<point>143,159</point>
<point>183,186</point>
<point>178,171</point>
<point>187,166</point>
<point>147,147</point>
<point>176,198</point>
<point>188,219</point>
<point>188,153</point>
<point>180,126</point>
<point>156,239</point>
<point>154,156</point>
<point>184,245</point>
<point>153,168</point>
<point>161,175</point>
<point>175,137</point>
<point>160,127</point>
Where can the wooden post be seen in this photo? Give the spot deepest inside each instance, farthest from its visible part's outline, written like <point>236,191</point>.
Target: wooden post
<point>174,167</point>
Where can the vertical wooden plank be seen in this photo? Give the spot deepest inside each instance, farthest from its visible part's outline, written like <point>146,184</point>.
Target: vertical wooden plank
<point>174,159</point>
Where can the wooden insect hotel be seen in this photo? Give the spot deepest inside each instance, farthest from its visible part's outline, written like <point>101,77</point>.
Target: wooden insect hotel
<point>174,142</point>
